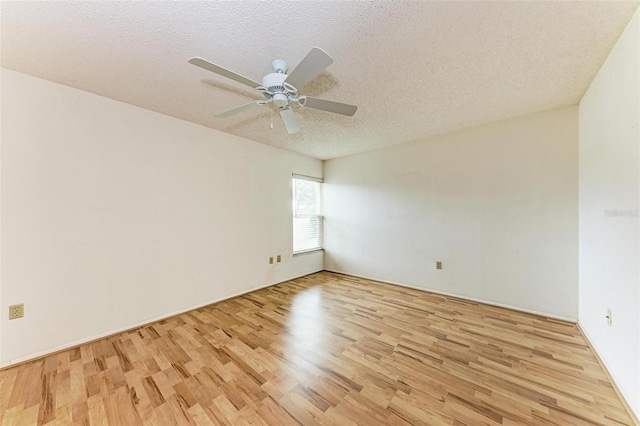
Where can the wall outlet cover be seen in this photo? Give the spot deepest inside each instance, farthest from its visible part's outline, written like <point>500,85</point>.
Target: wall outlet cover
<point>16,311</point>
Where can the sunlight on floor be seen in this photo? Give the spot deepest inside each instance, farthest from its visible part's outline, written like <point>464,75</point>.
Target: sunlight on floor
<point>307,327</point>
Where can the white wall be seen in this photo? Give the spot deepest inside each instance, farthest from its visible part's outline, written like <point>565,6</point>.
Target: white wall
<point>610,181</point>
<point>113,215</point>
<point>497,204</point>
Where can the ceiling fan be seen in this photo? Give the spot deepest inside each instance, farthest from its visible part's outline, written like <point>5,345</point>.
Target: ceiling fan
<point>281,88</point>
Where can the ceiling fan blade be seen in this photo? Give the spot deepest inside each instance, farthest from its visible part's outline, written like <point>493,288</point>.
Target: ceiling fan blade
<point>199,62</point>
<point>312,64</point>
<point>239,109</point>
<point>330,106</point>
<point>290,121</point>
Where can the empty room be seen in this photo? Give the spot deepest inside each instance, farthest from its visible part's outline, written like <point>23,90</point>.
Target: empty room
<point>320,213</point>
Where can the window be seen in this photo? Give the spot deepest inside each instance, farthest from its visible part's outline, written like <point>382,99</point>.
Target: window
<point>307,220</point>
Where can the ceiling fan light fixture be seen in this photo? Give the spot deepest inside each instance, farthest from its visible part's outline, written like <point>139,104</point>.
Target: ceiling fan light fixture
<point>280,100</point>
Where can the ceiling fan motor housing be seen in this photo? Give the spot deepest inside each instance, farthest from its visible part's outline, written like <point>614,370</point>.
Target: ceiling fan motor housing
<point>275,85</point>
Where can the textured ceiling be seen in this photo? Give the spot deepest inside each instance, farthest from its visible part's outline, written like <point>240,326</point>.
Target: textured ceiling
<point>414,69</point>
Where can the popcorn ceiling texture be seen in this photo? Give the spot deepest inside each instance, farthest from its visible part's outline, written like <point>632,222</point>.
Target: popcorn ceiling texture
<point>414,69</point>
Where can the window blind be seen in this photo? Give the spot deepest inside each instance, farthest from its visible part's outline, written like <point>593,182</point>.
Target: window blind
<point>307,217</point>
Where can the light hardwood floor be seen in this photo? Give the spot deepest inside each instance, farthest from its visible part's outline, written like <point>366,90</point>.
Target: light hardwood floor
<point>323,349</point>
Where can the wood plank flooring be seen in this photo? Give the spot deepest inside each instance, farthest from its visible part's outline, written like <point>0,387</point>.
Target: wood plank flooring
<point>323,349</point>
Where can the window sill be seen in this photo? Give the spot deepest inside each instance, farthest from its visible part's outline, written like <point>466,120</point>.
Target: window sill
<point>301,253</point>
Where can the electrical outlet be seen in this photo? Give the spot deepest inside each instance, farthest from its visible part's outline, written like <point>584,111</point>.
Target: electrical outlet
<point>16,311</point>
<point>438,264</point>
<point>609,317</point>
<point>279,258</point>
<point>271,260</point>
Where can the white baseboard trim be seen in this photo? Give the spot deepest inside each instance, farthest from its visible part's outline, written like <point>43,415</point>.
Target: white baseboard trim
<point>67,346</point>
<point>625,398</point>
<point>472,299</point>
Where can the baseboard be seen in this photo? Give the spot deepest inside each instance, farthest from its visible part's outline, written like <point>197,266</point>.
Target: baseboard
<point>635,415</point>
<point>458,296</point>
<point>65,347</point>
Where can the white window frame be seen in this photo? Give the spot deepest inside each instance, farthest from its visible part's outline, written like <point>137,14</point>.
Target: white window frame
<point>295,214</point>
